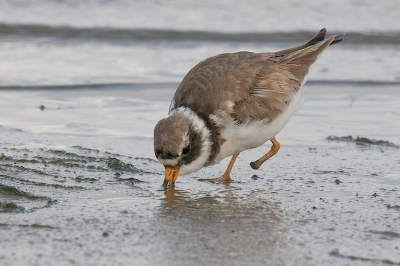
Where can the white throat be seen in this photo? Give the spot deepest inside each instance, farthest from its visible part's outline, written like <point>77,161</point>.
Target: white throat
<point>198,125</point>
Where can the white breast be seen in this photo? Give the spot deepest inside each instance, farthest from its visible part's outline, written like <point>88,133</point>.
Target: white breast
<point>252,134</point>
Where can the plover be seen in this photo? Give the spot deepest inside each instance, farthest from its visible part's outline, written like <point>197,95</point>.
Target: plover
<point>232,102</point>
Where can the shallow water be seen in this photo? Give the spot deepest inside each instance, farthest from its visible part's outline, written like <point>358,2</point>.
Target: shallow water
<point>63,43</point>
<point>79,185</point>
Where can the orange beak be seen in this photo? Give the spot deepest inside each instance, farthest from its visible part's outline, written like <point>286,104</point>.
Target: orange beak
<point>170,177</point>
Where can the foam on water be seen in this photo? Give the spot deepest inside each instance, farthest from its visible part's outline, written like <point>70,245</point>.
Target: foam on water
<point>236,16</point>
<point>108,42</point>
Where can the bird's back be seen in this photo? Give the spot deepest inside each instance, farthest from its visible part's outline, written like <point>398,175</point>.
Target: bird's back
<point>249,86</point>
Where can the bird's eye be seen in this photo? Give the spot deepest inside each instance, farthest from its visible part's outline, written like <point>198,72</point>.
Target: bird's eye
<point>186,150</point>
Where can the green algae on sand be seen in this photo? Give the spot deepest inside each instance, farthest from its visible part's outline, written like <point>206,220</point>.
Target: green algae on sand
<point>362,141</point>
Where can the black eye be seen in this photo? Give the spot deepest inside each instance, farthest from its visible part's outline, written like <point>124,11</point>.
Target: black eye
<point>157,153</point>
<point>186,150</point>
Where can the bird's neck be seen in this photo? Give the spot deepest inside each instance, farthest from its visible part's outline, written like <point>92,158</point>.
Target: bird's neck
<point>204,126</point>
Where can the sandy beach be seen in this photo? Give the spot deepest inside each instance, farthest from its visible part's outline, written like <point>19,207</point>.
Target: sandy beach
<point>85,189</point>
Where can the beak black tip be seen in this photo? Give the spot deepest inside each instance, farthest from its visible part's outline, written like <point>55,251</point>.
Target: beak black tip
<point>165,183</point>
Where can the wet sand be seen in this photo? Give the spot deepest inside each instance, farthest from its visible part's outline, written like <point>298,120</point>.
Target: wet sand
<point>79,185</point>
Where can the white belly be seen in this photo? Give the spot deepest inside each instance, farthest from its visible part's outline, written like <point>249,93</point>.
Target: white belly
<point>253,134</point>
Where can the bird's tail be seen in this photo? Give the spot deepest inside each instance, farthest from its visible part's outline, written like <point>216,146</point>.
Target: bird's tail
<point>300,59</point>
<point>319,37</point>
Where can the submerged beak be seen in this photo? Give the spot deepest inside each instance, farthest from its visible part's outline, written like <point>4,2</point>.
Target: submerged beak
<point>170,176</point>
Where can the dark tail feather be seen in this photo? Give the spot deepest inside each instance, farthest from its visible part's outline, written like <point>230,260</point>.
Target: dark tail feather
<point>319,37</point>
<point>338,38</point>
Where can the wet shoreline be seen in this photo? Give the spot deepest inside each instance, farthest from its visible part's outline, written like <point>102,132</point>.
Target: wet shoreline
<point>79,185</point>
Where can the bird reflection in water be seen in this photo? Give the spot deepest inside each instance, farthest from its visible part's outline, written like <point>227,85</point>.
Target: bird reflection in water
<point>208,224</point>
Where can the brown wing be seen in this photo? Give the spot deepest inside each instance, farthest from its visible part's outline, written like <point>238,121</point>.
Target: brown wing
<point>275,86</point>
<point>246,85</point>
<point>219,82</point>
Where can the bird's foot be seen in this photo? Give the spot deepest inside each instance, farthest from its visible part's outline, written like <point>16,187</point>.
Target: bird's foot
<point>255,165</point>
<point>274,150</point>
<point>223,179</point>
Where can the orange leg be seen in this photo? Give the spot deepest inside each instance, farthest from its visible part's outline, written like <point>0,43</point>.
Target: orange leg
<point>274,150</point>
<point>226,177</point>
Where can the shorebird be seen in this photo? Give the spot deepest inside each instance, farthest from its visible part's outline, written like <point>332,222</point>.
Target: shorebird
<point>232,102</point>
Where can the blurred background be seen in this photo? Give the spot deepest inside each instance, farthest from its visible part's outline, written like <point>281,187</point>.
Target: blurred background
<point>69,43</point>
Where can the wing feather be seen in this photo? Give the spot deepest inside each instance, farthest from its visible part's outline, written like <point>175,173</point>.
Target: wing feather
<point>249,86</point>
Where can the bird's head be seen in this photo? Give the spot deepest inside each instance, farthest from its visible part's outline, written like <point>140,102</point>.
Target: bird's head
<point>181,144</point>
